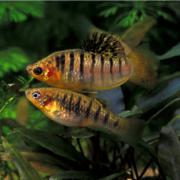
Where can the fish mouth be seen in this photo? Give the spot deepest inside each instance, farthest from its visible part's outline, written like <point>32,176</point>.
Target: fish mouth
<point>28,92</point>
<point>29,69</point>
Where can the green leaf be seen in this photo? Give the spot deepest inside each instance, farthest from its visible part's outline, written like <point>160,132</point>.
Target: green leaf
<point>18,11</point>
<point>175,124</point>
<point>73,175</point>
<point>151,137</point>
<point>79,133</point>
<point>133,111</point>
<point>12,59</point>
<point>174,51</point>
<point>169,153</point>
<point>40,162</point>
<point>9,102</point>
<point>162,93</point>
<point>109,11</point>
<point>167,105</point>
<point>25,82</point>
<point>122,174</point>
<point>25,170</point>
<point>52,142</point>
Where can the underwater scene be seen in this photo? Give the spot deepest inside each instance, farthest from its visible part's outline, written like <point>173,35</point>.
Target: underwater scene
<point>89,90</point>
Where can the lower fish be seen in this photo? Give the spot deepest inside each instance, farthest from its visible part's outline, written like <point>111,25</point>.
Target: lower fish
<point>73,109</point>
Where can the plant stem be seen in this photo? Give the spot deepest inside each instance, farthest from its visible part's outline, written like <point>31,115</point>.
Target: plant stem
<point>80,147</point>
<point>151,151</point>
<point>134,165</point>
<point>149,163</point>
<point>96,148</point>
<point>129,165</point>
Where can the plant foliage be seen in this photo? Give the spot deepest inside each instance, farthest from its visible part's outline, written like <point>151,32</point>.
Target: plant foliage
<point>18,11</point>
<point>35,147</point>
<point>131,12</point>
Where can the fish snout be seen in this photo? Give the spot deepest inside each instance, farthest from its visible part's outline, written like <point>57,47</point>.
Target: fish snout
<point>28,92</point>
<point>29,68</point>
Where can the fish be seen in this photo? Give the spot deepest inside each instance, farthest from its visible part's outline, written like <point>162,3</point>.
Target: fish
<point>102,63</point>
<point>70,108</point>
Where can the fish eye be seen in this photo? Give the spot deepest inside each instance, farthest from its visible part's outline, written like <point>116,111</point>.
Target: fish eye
<point>37,70</point>
<point>36,95</point>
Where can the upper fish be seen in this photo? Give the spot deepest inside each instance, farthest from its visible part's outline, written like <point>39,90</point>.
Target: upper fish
<point>103,63</point>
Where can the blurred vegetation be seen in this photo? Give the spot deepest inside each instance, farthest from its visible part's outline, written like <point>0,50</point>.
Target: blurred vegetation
<point>34,147</point>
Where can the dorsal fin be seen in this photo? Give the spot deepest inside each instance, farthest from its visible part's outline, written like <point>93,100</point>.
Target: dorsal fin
<point>104,44</point>
<point>103,103</point>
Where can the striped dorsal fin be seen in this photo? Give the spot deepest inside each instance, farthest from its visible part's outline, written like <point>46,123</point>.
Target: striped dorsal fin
<point>104,44</point>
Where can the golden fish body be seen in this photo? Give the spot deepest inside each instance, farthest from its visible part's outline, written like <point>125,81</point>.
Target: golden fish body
<point>74,109</point>
<point>80,70</point>
<point>106,62</point>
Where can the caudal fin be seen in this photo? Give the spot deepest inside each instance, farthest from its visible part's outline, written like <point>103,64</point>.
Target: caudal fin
<point>133,130</point>
<point>144,66</point>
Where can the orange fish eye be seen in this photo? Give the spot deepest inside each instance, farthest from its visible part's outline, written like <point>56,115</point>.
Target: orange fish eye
<point>37,70</point>
<point>36,95</point>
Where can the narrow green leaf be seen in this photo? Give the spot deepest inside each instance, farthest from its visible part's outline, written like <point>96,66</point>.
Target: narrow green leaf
<point>167,105</point>
<point>151,136</point>
<point>52,142</point>
<point>40,162</point>
<point>109,11</point>
<point>169,153</point>
<point>10,101</point>
<point>175,124</point>
<point>25,170</point>
<point>122,174</point>
<point>133,111</point>
<point>174,51</point>
<point>164,91</point>
<point>73,175</point>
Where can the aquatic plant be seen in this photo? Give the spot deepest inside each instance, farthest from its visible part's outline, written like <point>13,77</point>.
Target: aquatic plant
<point>130,12</point>
<point>35,147</point>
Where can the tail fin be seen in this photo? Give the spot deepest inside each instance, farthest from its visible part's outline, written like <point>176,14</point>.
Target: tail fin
<point>133,130</point>
<point>144,66</point>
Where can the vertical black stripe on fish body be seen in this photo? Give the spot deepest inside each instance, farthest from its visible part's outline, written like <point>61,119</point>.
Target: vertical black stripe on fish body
<point>116,123</point>
<point>77,106</point>
<point>63,101</point>
<point>62,61</point>
<point>87,112</point>
<point>82,66</point>
<point>97,114</point>
<point>106,118</point>
<point>102,67</point>
<point>70,103</point>
<point>92,70</point>
<point>119,66</point>
<point>71,63</point>
<point>57,58</point>
<point>111,66</point>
